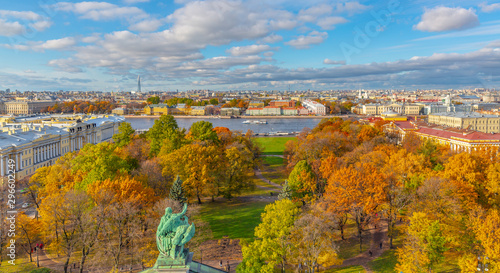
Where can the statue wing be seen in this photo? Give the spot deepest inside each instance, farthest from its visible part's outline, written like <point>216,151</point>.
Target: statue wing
<point>188,234</point>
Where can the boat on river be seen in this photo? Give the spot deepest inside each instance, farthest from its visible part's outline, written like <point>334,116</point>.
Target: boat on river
<point>254,122</point>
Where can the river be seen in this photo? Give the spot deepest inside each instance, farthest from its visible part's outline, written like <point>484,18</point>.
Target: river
<point>273,124</point>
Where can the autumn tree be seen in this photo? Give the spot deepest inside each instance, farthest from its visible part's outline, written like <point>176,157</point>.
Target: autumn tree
<point>359,190</point>
<point>28,233</point>
<point>197,165</point>
<point>312,243</point>
<point>124,135</point>
<point>236,172</point>
<point>153,100</point>
<point>424,246</point>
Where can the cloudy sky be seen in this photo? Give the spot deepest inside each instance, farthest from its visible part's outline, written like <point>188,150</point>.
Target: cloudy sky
<point>249,44</point>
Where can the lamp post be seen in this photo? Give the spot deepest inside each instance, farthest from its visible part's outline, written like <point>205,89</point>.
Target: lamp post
<point>482,263</point>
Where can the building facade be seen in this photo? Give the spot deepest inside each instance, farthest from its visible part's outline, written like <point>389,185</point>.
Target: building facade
<point>33,146</point>
<point>472,121</point>
<point>314,107</point>
<point>26,107</point>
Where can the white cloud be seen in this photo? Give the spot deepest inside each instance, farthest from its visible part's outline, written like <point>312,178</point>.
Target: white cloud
<point>135,1</point>
<point>101,11</point>
<point>271,39</point>
<point>248,50</point>
<point>311,14</point>
<point>445,19</point>
<point>328,61</point>
<point>489,8</point>
<point>56,44</point>
<point>303,41</point>
<point>17,22</point>
<point>350,7</point>
<point>10,28</point>
<point>149,25</point>
<point>328,23</point>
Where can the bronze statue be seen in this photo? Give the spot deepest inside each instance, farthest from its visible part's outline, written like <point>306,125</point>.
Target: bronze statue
<point>173,232</point>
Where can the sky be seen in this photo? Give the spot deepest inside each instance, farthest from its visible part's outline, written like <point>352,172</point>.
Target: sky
<point>249,45</point>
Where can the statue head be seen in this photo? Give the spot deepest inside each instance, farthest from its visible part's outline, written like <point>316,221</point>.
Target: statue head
<point>168,211</point>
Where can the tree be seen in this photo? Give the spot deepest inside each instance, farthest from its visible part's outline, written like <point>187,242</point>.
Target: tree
<point>302,181</point>
<point>357,190</point>
<point>60,214</point>
<point>313,244</point>
<point>424,246</point>
<point>164,132</point>
<point>236,171</point>
<point>411,142</point>
<point>28,233</point>
<point>214,101</point>
<point>153,100</point>
<point>273,232</point>
<point>197,165</point>
<point>100,162</point>
<point>124,135</point>
<point>203,131</point>
<point>177,192</point>
<point>285,192</point>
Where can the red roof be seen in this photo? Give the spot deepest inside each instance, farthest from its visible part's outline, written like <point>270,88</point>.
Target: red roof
<point>468,135</point>
<point>255,109</point>
<point>404,125</point>
<point>289,108</point>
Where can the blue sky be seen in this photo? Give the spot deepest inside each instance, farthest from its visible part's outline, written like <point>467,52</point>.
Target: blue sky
<point>249,45</point>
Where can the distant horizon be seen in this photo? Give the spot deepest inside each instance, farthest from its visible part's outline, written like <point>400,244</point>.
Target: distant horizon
<point>250,45</point>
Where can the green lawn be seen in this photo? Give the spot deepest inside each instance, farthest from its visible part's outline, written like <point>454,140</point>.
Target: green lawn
<point>349,269</point>
<point>234,219</point>
<point>22,265</point>
<point>350,247</point>
<point>385,263</point>
<point>273,145</point>
<point>273,169</point>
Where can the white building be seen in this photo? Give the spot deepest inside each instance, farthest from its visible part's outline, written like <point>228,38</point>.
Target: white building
<point>314,107</point>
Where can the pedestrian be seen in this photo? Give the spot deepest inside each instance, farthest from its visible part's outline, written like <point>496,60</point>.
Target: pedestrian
<point>370,252</point>
<point>220,263</point>
<point>380,245</point>
<point>41,245</point>
<point>228,267</point>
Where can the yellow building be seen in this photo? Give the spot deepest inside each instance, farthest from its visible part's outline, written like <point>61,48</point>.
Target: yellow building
<point>32,146</point>
<point>198,110</point>
<point>472,121</point>
<point>255,104</point>
<point>26,107</point>
<point>158,109</point>
<point>377,109</point>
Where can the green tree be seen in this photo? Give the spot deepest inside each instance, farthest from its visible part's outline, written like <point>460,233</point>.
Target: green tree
<point>214,101</point>
<point>100,162</point>
<point>274,232</point>
<point>177,192</point>
<point>153,100</point>
<point>124,135</point>
<point>286,192</point>
<point>203,131</point>
<point>302,181</point>
<point>165,131</point>
<point>237,170</point>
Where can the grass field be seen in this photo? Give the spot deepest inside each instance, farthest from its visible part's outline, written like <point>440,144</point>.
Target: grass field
<point>272,145</point>
<point>273,168</point>
<point>349,269</point>
<point>22,265</point>
<point>385,263</point>
<point>234,219</point>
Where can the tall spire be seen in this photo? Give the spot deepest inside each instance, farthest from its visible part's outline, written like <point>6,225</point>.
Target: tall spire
<point>139,84</point>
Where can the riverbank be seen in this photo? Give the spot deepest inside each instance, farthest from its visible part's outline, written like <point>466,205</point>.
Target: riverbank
<point>243,117</point>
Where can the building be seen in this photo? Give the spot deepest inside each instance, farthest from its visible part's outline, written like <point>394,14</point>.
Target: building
<point>282,103</point>
<point>271,111</point>
<point>158,109</point>
<point>198,110</point>
<point>230,111</point>
<point>255,111</point>
<point>376,109</point>
<point>139,84</point>
<point>314,107</point>
<point>302,111</point>
<point>472,121</point>
<point>36,145</point>
<point>290,111</point>
<point>26,107</point>
<point>255,104</point>
<point>120,111</point>
<point>459,140</point>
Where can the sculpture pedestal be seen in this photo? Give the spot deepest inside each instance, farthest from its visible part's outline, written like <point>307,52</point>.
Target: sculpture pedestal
<point>171,265</point>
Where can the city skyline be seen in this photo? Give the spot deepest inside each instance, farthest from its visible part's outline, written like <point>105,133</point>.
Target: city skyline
<point>253,45</point>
